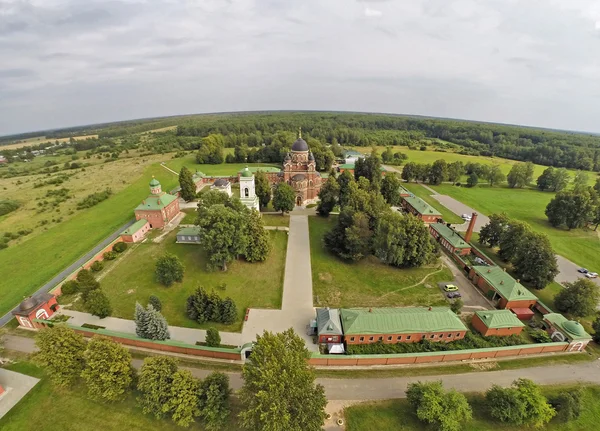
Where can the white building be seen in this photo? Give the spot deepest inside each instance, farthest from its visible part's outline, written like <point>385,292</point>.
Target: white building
<point>247,190</point>
<point>222,185</point>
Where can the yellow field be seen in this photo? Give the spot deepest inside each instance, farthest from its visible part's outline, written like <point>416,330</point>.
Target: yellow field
<point>40,140</point>
<point>162,129</point>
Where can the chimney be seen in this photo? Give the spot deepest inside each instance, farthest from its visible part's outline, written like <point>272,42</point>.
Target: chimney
<point>471,227</point>
<point>501,281</point>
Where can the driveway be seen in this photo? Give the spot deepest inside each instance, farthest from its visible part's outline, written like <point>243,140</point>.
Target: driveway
<point>472,297</point>
<point>459,208</point>
<point>568,271</point>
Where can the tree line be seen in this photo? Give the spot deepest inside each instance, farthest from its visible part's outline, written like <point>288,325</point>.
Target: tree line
<point>576,208</point>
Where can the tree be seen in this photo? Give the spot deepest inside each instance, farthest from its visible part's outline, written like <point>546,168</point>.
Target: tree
<point>472,180</point>
<point>97,266</point>
<point>457,305</point>
<point>597,185</point>
<point>495,175</point>
<point>155,302</point>
<point>518,175</point>
<point>87,283</point>
<point>196,305</point>
<point>492,232</point>
<point>409,172</point>
<point>98,304</point>
<point>350,238</point>
<point>69,287</point>
<point>390,186</point>
<point>344,180</point>
<point>140,318</point>
<point>512,240</point>
<point>572,208</point>
<point>568,405</point>
<point>596,328</point>
<point>258,244</point>
<point>273,402</point>
<point>455,171</point>
<point>328,196</point>
<point>228,311</point>
<point>183,399</point>
<point>578,298</point>
<point>262,187</point>
<point>536,262</point>
<point>369,168</point>
<point>213,401</point>
<point>61,353</point>
<point>388,155</point>
<point>169,269</point>
<point>438,172</point>
<point>445,410</point>
<point>108,372</point>
<point>529,171</point>
<point>560,179</point>
<point>156,325</point>
<point>580,182</point>
<point>154,384</point>
<point>521,404</point>
<point>546,180</point>
<point>223,235</point>
<point>211,150</point>
<point>203,307</point>
<point>213,339</point>
<point>284,198</point>
<point>188,187</point>
<point>402,241</point>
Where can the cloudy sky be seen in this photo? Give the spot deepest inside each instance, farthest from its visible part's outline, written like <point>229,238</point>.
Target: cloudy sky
<point>73,62</point>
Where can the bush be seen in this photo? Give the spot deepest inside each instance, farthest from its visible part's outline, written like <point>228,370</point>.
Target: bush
<point>97,304</point>
<point>7,206</point>
<point>154,301</point>
<point>203,307</point>
<point>446,411</point>
<point>540,336</point>
<point>97,266</point>
<point>110,255</point>
<point>70,287</point>
<point>456,305</point>
<point>120,247</point>
<point>567,405</point>
<point>169,269</point>
<point>94,198</point>
<point>213,339</point>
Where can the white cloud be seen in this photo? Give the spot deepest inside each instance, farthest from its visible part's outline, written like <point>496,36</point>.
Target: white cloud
<point>371,13</point>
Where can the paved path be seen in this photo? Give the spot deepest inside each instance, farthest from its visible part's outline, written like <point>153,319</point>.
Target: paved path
<point>15,386</point>
<point>71,268</point>
<point>395,387</point>
<point>472,297</point>
<point>168,169</point>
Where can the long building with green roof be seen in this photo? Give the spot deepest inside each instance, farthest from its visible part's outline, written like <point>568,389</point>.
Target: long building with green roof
<point>449,239</point>
<point>497,323</point>
<point>400,325</point>
<point>421,209</point>
<point>500,286</point>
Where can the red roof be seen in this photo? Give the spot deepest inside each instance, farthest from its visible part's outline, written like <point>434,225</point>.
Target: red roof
<point>522,311</point>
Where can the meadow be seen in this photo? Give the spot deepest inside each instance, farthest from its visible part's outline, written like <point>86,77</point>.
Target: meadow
<point>132,279</point>
<point>369,282</point>
<point>528,205</point>
<point>41,140</point>
<point>224,169</point>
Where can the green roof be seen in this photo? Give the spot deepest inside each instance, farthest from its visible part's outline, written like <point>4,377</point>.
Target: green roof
<point>246,172</point>
<point>572,329</point>
<point>399,320</point>
<point>351,153</point>
<point>135,227</point>
<point>450,235</point>
<point>154,182</point>
<point>503,283</point>
<point>421,206</point>
<point>496,319</point>
<point>328,321</point>
<point>188,231</point>
<point>197,176</point>
<point>404,190</point>
<point>255,169</point>
<point>154,202</point>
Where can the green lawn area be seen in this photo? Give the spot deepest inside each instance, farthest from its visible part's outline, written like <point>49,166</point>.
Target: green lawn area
<point>398,415</point>
<point>38,259</point>
<point>50,409</point>
<point>248,284</point>
<point>224,169</point>
<point>528,205</point>
<point>190,216</point>
<point>369,282</point>
<point>276,220</point>
<point>420,191</point>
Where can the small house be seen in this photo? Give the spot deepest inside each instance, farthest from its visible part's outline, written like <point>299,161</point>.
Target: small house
<point>136,232</point>
<point>421,209</point>
<point>501,287</point>
<point>562,329</point>
<point>498,323</point>
<point>188,235</point>
<point>222,185</point>
<point>329,325</point>
<point>41,306</point>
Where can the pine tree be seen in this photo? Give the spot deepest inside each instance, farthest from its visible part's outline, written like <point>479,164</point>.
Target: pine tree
<point>155,302</point>
<point>188,187</point>
<point>156,327</point>
<point>228,311</point>
<point>196,305</point>
<point>141,321</point>
<point>212,339</point>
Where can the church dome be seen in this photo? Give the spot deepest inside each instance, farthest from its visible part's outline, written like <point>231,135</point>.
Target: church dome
<point>154,182</point>
<point>221,182</point>
<point>287,157</point>
<point>310,156</point>
<point>300,145</point>
<point>28,303</point>
<point>298,177</point>
<point>246,173</point>
<point>574,328</point>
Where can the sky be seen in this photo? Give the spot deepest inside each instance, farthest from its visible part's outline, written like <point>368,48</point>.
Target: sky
<point>73,62</point>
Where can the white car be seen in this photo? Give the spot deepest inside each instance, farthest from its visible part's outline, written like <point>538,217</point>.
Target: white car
<point>591,275</point>
<point>466,217</point>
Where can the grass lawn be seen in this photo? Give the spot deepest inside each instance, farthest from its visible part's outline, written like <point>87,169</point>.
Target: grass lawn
<point>224,169</point>
<point>276,220</point>
<point>420,191</point>
<point>369,282</point>
<point>398,414</point>
<point>50,409</point>
<point>190,216</point>
<point>528,205</point>
<point>39,258</point>
<point>248,284</point>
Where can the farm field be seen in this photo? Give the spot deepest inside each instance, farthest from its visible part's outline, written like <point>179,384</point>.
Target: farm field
<point>369,282</point>
<point>248,284</point>
<point>528,205</point>
<point>398,414</point>
<point>51,409</point>
<point>41,140</point>
<point>43,255</point>
<point>224,169</point>
<point>423,193</point>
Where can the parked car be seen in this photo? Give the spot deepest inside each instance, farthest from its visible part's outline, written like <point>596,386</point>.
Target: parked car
<point>466,217</point>
<point>582,270</point>
<point>450,288</point>
<point>591,275</point>
<point>453,295</point>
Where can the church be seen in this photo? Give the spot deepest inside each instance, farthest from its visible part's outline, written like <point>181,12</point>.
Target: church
<point>300,171</point>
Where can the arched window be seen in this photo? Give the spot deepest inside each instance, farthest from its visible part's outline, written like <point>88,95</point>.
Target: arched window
<point>246,192</point>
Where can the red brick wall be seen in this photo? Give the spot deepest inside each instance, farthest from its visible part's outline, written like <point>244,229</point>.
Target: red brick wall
<point>385,338</point>
<point>517,304</point>
<point>487,332</point>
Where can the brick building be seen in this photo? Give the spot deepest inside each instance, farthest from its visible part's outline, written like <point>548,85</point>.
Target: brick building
<point>501,287</point>
<point>400,325</point>
<point>421,209</point>
<point>498,323</point>
<point>41,306</point>
<point>562,329</point>
<point>159,208</point>
<point>300,171</point>
<point>136,232</point>
<point>449,239</point>
<point>329,325</point>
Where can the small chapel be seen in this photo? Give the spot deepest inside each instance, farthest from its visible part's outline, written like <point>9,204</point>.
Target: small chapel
<point>300,171</point>
<point>159,208</point>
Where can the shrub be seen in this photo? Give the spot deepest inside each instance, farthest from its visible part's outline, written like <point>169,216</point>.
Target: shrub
<point>446,411</point>
<point>213,339</point>
<point>203,307</point>
<point>94,198</point>
<point>456,305</point>
<point>169,269</point>
<point>120,247</point>
<point>154,301</point>
<point>110,255</point>
<point>540,336</point>
<point>97,304</point>
<point>70,287</point>
<point>97,266</point>
<point>568,405</point>
<point>7,206</point>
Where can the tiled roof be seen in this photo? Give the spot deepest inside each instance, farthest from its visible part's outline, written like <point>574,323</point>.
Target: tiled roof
<point>450,235</point>
<point>154,202</point>
<point>496,319</point>
<point>503,283</point>
<point>421,206</point>
<point>328,321</point>
<point>399,320</point>
<point>135,227</point>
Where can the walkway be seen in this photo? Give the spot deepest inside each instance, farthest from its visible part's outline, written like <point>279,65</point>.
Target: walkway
<point>15,386</point>
<point>71,268</point>
<point>395,387</point>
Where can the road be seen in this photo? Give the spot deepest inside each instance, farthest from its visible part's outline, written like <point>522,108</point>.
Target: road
<point>71,268</point>
<point>364,389</point>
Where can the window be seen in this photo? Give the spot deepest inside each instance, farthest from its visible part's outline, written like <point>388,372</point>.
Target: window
<point>390,338</point>
<point>351,338</point>
<point>449,335</point>
<point>362,339</point>
<point>380,338</point>
<point>399,337</point>
<point>246,192</point>
<point>458,334</point>
<point>424,336</point>
<point>407,337</point>
<point>370,338</point>
<point>432,336</point>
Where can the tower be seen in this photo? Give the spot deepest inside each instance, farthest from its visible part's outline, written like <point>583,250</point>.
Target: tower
<point>155,188</point>
<point>247,189</point>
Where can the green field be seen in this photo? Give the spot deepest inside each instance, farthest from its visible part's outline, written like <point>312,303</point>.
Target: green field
<point>276,220</point>
<point>248,284</point>
<point>398,415</point>
<point>50,409</point>
<point>423,193</point>
<point>369,282</point>
<point>224,169</point>
<point>190,216</point>
<point>528,205</point>
<point>34,262</point>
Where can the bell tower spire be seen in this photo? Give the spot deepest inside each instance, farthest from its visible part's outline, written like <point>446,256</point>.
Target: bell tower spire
<point>299,132</point>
